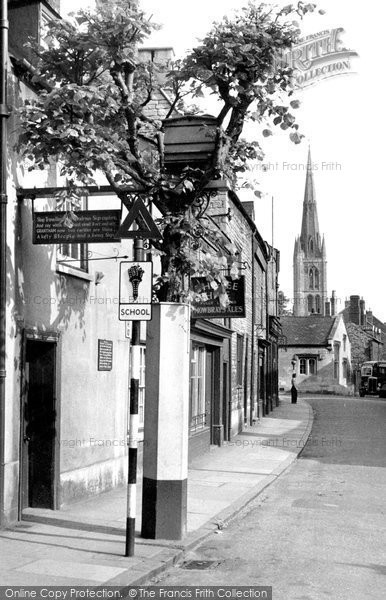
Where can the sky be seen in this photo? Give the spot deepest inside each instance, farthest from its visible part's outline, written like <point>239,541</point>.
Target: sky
<point>342,119</point>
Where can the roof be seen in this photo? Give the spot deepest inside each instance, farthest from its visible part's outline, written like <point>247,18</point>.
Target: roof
<point>314,330</point>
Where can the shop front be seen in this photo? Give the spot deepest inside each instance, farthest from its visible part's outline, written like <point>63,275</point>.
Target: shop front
<point>209,417</point>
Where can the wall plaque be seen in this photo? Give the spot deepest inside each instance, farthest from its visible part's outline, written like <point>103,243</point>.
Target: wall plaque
<point>105,355</point>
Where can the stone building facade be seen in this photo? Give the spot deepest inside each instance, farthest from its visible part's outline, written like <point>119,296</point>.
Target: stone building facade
<point>65,343</point>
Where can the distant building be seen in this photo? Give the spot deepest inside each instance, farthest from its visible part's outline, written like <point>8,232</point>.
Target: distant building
<point>315,351</point>
<point>315,354</point>
<point>367,333</point>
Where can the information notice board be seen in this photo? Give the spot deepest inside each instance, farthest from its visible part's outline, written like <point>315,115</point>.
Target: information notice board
<point>105,355</point>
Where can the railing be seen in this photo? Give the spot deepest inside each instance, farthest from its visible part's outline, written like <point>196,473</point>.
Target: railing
<point>198,422</point>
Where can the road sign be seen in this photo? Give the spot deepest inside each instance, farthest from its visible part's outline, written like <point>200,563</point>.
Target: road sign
<point>135,290</point>
<point>146,228</point>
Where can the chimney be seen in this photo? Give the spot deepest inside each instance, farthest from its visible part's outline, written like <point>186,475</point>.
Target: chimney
<point>369,317</point>
<point>333,303</point>
<point>328,308</point>
<point>159,56</point>
<point>355,310</point>
<point>362,311</point>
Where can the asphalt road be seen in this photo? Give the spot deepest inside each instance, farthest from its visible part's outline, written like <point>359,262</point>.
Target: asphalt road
<point>318,532</point>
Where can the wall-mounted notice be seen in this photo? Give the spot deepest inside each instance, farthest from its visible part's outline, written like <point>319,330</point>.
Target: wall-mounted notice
<point>105,355</point>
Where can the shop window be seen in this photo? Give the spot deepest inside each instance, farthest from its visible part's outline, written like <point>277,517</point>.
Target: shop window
<point>197,388</point>
<point>240,353</point>
<point>141,392</point>
<point>141,387</point>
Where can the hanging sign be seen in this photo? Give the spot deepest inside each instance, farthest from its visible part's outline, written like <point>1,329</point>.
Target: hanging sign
<point>80,227</point>
<point>211,308</point>
<point>135,290</point>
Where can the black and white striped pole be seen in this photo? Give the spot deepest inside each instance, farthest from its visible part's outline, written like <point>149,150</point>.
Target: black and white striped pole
<point>133,422</point>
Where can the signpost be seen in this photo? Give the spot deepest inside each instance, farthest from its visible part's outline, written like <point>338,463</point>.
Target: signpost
<point>135,293</point>
<point>85,226</point>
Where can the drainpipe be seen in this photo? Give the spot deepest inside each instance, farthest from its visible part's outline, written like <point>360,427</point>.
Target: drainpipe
<point>251,404</point>
<point>3,234</point>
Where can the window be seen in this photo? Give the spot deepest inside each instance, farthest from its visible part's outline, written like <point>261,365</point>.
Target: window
<point>310,303</point>
<point>75,255</point>
<point>317,304</point>
<point>72,255</point>
<point>308,365</point>
<point>316,279</point>
<point>336,360</point>
<point>197,387</point>
<point>311,245</point>
<point>240,353</point>
<point>311,279</point>
<point>141,392</point>
<point>344,342</point>
<point>344,368</point>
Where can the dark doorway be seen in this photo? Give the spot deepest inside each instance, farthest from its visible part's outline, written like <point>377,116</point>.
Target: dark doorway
<point>39,426</point>
<point>225,406</point>
<point>209,384</point>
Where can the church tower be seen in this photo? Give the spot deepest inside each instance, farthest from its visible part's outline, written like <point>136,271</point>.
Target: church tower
<point>310,265</point>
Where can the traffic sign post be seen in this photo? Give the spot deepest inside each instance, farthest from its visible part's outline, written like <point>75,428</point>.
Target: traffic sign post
<point>134,389</point>
<point>135,295</point>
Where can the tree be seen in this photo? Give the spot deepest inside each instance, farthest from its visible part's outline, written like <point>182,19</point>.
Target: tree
<point>283,302</point>
<point>92,118</point>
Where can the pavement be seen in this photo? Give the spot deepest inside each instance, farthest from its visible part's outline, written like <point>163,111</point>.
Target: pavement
<point>84,544</point>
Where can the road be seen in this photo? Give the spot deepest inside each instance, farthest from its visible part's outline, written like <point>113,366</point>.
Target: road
<point>319,531</point>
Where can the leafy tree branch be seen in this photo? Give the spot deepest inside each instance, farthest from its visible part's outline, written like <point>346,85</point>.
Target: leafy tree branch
<point>94,117</point>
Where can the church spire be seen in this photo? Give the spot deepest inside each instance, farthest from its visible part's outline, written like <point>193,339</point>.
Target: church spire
<point>309,192</point>
<point>310,264</point>
<point>310,236</point>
